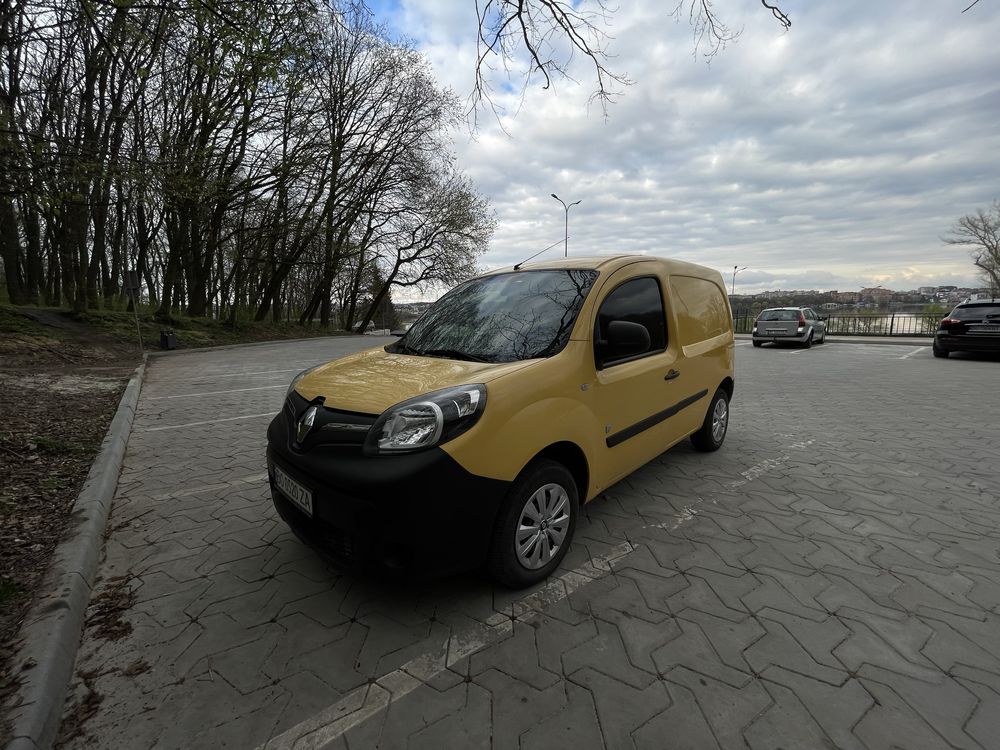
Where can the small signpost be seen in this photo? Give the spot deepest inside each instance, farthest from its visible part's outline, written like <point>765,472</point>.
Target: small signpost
<point>133,288</point>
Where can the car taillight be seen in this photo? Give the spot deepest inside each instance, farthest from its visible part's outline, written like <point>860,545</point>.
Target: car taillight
<point>755,323</point>
<point>950,321</point>
<point>802,320</point>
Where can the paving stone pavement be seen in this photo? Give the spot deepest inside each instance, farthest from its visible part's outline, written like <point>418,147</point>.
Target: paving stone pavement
<point>830,578</point>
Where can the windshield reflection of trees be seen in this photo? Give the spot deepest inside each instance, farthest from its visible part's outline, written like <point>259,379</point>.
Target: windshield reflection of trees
<point>505,318</point>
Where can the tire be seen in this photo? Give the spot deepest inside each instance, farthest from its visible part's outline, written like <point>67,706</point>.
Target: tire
<point>938,352</point>
<point>713,430</point>
<point>822,339</point>
<point>809,341</point>
<point>545,495</point>
<point>758,344</point>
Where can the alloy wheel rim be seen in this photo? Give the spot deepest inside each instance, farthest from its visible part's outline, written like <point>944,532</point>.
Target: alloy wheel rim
<point>542,526</point>
<point>720,420</point>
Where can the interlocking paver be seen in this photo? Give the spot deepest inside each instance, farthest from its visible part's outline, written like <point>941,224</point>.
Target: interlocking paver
<point>521,706</point>
<point>681,726</point>
<point>575,725</point>
<point>837,709</point>
<point>728,709</point>
<point>831,578</point>
<point>788,720</point>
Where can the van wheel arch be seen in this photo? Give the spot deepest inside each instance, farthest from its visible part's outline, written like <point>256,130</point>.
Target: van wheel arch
<point>573,458</point>
<point>728,385</point>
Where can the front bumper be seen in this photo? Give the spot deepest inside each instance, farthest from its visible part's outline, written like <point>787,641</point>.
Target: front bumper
<point>419,514</point>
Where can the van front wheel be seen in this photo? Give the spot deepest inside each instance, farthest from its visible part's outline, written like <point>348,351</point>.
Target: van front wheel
<point>713,430</point>
<point>535,525</point>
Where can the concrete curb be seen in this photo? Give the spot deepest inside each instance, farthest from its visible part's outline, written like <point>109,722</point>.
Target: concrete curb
<point>272,342</point>
<point>50,635</point>
<point>884,340</point>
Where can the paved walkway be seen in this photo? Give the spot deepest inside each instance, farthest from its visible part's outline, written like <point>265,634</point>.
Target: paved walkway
<point>830,578</point>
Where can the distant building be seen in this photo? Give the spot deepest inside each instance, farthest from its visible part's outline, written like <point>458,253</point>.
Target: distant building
<point>876,294</point>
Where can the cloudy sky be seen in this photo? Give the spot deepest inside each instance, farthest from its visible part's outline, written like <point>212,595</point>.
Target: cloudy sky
<point>831,156</point>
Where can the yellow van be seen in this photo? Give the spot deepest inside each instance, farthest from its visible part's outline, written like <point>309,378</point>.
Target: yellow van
<point>517,397</point>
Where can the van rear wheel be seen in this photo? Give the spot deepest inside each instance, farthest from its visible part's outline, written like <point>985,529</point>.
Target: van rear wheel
<point>535,525</point>
<point>713,430</point>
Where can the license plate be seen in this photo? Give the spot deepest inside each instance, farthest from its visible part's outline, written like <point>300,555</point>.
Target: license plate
<point>301,496</point>
<point>987,329</point>
<point>777,331</point>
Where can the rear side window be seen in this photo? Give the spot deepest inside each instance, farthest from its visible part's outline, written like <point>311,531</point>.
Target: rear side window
<point>638,301</point>
<point>976,312</point>
<point>779,315</point>
<point>700,307</point>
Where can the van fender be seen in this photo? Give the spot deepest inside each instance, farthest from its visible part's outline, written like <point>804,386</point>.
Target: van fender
<point>501,449</point>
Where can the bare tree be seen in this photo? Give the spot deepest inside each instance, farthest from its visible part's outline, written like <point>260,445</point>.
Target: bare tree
<point>548,34</point>
<point>980,233</point>
<point>256,158</point>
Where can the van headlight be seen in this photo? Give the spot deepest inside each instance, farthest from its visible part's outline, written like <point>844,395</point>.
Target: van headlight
<point>426,421</point>
<point>297,378</point>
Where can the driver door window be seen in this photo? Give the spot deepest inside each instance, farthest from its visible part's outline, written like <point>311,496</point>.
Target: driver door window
<point>637,301</point>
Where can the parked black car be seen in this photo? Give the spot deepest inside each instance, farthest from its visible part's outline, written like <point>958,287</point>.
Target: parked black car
<point>970,327</point>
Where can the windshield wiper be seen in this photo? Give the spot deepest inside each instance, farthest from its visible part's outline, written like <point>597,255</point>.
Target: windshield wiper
<point>407,349</point>
<point>454,354</point>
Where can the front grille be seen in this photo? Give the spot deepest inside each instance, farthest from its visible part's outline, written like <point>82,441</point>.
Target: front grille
<point>331,426</point>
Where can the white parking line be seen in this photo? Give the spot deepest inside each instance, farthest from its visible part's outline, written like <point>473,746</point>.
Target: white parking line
<point>218,393</point>
<point>249,479</point>
<point>210,421</point>
<point>915,351</point>
<point>368,700</point>
<point>262,372</point>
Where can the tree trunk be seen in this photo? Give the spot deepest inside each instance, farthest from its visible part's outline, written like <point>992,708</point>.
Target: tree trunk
<point>10,251</point>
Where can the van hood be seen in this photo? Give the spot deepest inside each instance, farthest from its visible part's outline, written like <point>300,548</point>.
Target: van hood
<point>371,381</point>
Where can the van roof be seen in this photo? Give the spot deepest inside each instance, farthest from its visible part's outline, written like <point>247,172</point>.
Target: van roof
<point>609,263</point>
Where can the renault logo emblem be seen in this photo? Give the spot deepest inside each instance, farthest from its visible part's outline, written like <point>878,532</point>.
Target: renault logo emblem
<point>305,423</point>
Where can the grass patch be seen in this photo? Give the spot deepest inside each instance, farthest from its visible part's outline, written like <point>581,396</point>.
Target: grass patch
<point>9,591</point>
<point>194,332</point>
<point>120,327</point>
<point>59,447</point>
<point>14,325</point>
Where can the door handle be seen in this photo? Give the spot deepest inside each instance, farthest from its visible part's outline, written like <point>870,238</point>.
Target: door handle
<point>672,374</point>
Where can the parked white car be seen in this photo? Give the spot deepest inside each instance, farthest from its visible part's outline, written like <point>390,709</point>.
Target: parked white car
<point>789,325</point>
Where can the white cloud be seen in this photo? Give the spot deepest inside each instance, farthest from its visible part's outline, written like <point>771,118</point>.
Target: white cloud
<point>829,156</point>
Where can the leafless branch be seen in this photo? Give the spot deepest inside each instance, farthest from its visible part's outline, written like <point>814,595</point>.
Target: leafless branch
<point>779,14</point>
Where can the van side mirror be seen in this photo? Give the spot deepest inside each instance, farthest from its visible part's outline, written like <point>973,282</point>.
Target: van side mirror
<point>624,339</point>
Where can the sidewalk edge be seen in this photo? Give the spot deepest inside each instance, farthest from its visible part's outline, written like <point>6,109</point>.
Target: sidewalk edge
<point>50,635</point>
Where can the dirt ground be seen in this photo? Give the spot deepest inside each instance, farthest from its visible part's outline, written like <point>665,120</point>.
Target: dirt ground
<point>60,383</point>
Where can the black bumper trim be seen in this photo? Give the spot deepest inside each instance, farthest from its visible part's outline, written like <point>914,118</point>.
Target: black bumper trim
<point>645,424</point>
<point>419,514</point>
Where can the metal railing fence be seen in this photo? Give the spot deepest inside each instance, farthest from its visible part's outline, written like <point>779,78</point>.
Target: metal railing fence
<point>878,324</point>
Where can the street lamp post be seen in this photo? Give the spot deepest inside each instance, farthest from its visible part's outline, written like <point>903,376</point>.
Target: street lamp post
<point>566,209</point>
<point>736,270</point>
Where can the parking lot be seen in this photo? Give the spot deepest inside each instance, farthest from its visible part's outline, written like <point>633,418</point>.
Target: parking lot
<point>830,578</point>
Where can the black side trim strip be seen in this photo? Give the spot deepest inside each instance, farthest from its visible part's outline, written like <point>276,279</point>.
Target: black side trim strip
<point>630,432</point>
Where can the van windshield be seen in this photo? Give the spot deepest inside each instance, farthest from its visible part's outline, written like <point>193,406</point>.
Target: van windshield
<point>503,318</point>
